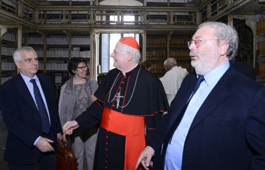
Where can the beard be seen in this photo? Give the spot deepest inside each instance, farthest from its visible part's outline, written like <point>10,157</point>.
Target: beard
<point>202,65</point>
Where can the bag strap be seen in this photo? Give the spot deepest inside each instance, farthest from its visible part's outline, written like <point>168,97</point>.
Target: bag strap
<point>90,86</point>
<point>60,143</point>
<point>67,150</point>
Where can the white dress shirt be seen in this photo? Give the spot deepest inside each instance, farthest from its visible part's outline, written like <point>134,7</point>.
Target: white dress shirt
<point>30,87</point>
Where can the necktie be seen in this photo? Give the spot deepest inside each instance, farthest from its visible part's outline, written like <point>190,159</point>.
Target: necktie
<point>42,110</point>
<point>200,79</point>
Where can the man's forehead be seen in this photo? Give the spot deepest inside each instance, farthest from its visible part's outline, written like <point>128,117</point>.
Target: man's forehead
<point>204,31</point>
<point>118,46</point>
<point>26,54</point>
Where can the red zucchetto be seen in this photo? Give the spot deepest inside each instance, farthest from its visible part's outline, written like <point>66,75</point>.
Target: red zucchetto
<point>130,41</point>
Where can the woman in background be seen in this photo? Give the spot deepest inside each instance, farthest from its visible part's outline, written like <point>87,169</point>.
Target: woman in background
<point>75,97</point>
<point>147,65</point>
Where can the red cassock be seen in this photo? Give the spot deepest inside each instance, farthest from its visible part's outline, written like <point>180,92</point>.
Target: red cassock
<point>128,110</point>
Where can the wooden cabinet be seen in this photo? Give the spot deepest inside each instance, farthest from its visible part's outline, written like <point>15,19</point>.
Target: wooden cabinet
<point>53,59</point>
<point>35,40</point>
<point>261,50</point>
<point>160,47</point>
<point>180,51</point>
<point>57,53</point>
<point>156,53</point>
<point>8,46</point>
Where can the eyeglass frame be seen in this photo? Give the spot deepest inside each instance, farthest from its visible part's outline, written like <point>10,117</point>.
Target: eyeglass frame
<point>198,41</point>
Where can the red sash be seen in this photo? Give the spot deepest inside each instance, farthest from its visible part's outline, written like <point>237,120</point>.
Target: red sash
<point>132,127</point>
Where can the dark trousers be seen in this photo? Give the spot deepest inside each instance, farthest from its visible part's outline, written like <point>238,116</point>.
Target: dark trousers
<point>47,161</point>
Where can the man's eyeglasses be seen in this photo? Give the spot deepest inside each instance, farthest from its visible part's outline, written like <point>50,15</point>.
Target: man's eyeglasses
<point>197,42</point>
<point>83,67</point>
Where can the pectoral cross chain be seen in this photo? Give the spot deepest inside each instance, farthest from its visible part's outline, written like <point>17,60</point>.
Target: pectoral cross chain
<point>118,97</point>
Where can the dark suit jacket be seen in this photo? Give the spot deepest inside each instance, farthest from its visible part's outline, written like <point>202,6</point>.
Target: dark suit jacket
<point>228,131</point>
<point>23,121</point>
<point>244,68</point>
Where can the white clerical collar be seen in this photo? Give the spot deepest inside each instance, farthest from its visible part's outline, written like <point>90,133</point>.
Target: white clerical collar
<point>130,70</point>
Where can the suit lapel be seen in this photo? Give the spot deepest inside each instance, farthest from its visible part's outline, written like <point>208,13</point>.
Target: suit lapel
<point>216,96</point>
<point>177,106</point>
<point>23,89</point>
<point>179,102</point>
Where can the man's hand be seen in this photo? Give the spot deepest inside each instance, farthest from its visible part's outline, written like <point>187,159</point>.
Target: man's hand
<point>70,126</point>
<point>93,98</point>
<point>59,136</point>
<point>64,137</point>
<point>44,145</point>
<point>145,158</point>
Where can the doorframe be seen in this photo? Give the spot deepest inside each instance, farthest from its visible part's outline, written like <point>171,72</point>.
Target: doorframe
<point>95,46</point>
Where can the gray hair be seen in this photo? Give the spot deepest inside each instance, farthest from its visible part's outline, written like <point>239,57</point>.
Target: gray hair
<point>226,33</point>
<point>135,52</point>
<point>170,62</point>
<point>17,53</point>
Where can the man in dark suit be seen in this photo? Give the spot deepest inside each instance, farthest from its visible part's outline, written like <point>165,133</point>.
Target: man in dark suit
<point>221,125</point>
<point>243,68</point>
<point>29,141</point>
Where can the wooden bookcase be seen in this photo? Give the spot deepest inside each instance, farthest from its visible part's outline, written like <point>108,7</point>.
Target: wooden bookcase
<point>261,49</point>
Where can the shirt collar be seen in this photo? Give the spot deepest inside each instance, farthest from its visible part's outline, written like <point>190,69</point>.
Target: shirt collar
<point>215,74</point>
<point>27,79</point>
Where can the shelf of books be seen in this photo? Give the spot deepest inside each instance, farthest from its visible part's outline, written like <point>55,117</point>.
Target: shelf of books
<point>180,51</point>
<point>8,46</point>
<point>156,53</point>
<point>260,26</point>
